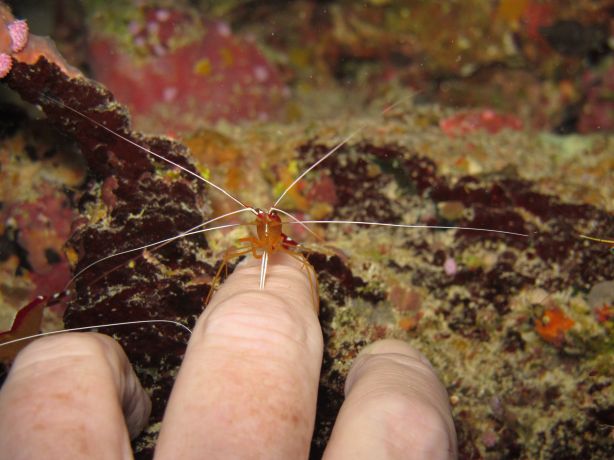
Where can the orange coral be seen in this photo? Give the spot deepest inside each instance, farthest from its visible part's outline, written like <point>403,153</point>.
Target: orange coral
<point>553,325</point>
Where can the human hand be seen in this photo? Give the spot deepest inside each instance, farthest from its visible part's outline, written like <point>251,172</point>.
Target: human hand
<point>247,388</point>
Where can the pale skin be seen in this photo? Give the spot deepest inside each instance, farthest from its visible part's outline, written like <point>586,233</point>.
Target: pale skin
<point>247,388</point>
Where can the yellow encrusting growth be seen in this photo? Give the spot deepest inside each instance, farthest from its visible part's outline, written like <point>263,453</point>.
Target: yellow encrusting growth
<point>203,67</point>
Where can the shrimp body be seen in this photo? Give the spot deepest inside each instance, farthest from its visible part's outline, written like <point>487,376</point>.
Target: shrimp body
<point>270,237</point>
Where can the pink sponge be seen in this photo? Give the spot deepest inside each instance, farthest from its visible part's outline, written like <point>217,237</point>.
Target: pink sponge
<point>18,30</point>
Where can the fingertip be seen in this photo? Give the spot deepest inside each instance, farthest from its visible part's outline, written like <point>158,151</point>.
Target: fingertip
<point>394,346</point>
<point>287,276</point>
<point>279,258</point>
<point>392,385</point>
<point>388,354</point>
<point>253,351</point>
<point>88,382</point>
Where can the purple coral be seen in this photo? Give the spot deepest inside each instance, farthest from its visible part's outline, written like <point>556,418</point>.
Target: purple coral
<point>19,32</point>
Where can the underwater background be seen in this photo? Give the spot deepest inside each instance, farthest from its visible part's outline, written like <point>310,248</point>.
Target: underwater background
<point>482,114</point>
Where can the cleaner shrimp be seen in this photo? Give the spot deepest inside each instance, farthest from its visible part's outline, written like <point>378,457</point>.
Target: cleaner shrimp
<point>270,237</point>
<point>161,291</point>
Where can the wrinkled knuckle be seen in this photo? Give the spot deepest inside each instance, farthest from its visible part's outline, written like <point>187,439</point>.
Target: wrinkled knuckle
<point>393,369</point>
<point>382,368</point>
<point>255,316</point>
<point>67,346</point>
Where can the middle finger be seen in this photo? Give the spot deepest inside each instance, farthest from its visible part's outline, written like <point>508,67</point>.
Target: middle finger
<point>249,380</point>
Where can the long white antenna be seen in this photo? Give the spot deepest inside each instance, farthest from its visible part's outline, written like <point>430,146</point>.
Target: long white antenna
<point>333,150</point>
<point>86,328</point>
<point>166,240</point>
<point>151,152</point>
<point>435,227</point>
<point>298,221</point>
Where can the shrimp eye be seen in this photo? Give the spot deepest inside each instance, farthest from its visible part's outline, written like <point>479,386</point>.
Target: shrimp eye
<point>274,217</point>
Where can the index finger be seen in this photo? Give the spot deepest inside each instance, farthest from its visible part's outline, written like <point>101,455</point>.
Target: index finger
<point>249,380</point>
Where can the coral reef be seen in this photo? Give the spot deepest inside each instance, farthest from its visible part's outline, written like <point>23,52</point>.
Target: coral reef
<point>517,56</point>
<point>166,60</point>
<point>38,177</point>
<point>597,112</point>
